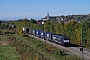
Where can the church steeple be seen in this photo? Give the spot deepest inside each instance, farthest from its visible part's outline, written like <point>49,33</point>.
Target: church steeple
<point>48,16</point>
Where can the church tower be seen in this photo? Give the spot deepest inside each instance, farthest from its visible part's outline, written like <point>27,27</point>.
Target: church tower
<point>47,16</point>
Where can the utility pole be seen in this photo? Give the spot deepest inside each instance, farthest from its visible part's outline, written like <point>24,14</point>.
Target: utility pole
<point>81,47</point>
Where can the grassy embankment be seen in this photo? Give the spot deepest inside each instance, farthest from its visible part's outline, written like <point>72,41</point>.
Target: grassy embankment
<point>6,51</point>
<point>32,49</point>
<point>28,48</point>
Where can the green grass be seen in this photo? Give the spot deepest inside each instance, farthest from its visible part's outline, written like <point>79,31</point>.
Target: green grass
<point>8,53</point>
<point>41,48</point>
<point>29,48</point>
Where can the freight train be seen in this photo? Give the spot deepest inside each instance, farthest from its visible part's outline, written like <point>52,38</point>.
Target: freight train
<point>52,37</point>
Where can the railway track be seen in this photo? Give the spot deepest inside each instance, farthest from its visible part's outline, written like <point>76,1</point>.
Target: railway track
<point>71,50</point>
<point>76,50</point>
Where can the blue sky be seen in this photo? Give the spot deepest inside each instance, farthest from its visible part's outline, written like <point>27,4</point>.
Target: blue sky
<point>37,9</point>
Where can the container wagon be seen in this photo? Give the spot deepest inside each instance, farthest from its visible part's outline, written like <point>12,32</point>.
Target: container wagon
<point>26,30</point>
<point>30,31</point>
<point>48,36</point>
<point>42,34</point>
<point>37,33</point>
<point>33,32</point>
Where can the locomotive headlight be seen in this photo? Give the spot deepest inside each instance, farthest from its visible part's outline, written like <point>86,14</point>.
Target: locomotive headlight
<point>66,40</point>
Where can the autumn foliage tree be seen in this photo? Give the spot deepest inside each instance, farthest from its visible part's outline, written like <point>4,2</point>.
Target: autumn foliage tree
<point>71,29</point>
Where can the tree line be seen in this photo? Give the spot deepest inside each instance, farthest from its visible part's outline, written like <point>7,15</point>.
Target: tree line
<point>77,32</point>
